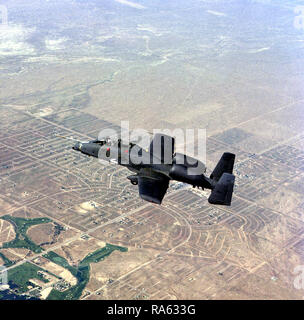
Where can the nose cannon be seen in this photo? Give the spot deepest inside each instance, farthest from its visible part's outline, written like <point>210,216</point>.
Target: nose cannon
<point>77,146</point>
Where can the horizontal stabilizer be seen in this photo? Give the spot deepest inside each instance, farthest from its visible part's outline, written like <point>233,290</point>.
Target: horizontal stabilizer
<point>222,193</point>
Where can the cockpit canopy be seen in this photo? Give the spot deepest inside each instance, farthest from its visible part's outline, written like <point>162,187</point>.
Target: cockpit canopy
<point>99,142</point>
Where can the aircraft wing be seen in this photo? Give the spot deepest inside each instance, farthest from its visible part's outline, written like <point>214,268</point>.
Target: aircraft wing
<point>153,189</point>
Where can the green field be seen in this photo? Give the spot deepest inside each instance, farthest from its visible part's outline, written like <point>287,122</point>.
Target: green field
<point>21,226</point>
<point>54,257</point>
<point>82,272</point>
<point>18,278</point>
<point>100,254</point>
<point>7,261</point>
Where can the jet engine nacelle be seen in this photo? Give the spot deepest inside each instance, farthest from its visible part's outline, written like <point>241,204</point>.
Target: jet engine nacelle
<point>180,172</point>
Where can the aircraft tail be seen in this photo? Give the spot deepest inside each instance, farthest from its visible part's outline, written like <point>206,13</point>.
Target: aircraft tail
<point>225,164</point>
<point>222,175</point>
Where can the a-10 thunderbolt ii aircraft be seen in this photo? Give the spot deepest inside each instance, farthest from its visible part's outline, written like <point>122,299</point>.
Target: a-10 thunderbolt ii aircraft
<point>154,167</point>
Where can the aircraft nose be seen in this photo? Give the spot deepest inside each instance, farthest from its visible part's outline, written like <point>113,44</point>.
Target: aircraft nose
<point>76,146</point>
